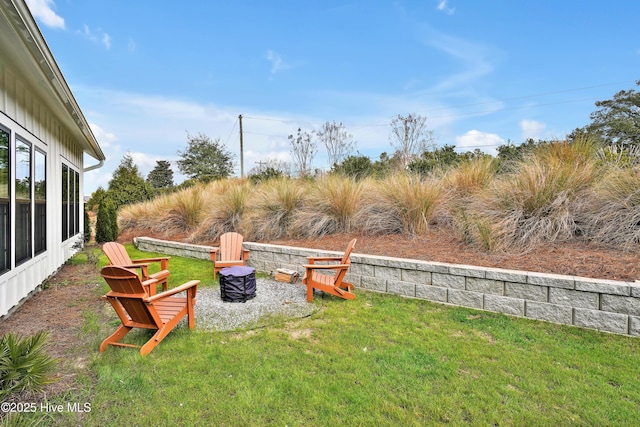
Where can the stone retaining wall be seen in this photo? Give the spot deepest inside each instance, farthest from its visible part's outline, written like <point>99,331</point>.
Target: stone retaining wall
<point>605,305</point>
<point>172,248</point>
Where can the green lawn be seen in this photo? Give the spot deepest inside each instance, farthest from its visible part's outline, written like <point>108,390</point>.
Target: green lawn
<point>379,360</point>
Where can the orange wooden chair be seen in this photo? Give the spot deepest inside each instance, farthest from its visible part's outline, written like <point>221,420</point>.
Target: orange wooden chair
<point>118,255</point>
<point>332,284</point>
<point>137,309</point>
<point>229,253</point>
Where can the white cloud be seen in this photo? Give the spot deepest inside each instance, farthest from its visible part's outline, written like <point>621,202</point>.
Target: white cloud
<point>443,6</point>
<point>105,139</point>
<point>486,142</point>
<point>477,60</point>
<point>106,40</point>
<point>532,129</point>
<point>277,63</point>
<point>99,36</point>
<point>43,12</point>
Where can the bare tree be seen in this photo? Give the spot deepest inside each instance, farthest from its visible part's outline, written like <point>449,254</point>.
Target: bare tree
<point>410,136</point>
<point>303,149</point>
<point>338,142</point>
<point>275,164</point>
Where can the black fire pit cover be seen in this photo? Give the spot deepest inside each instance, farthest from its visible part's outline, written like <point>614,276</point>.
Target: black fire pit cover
<point>237,284</point>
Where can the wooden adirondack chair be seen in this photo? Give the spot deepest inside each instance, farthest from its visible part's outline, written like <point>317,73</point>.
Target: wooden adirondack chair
<point>118,255</point>
<point>229,253</point>
<point>137,309</point>
<point>332,284</point>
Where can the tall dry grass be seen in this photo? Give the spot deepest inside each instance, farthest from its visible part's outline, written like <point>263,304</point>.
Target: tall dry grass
<point>470,176</point>
<point>274,203</point>
<point>331,205</point>
<point>561,191</point>
<point>136,216</point>
<point>170,214</point>
<point>183,211</point>
<point>460,185</point>
<point>226,204</point>
<point>611,215</point>
<point>536,203</point>
<point>400,203</point>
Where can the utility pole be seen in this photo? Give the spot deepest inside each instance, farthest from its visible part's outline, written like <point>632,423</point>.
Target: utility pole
<point>241,153</point>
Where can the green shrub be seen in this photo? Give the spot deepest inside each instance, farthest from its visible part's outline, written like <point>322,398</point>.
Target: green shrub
<point>24,364</point>
<point>87,226</point>
<point>106,222</point>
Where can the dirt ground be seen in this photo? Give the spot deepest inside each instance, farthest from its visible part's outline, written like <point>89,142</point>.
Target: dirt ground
<point>59,308</point>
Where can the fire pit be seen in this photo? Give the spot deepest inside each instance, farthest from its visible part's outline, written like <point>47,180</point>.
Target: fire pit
<point>237,284</point>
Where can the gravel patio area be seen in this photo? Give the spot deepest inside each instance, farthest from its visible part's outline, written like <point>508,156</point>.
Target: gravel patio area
<point>272,299</point>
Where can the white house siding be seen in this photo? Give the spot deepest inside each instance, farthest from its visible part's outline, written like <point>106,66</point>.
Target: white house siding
<point>24,113</point>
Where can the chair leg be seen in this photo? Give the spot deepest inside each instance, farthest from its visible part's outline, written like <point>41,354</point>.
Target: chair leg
<point>190,311</point>
<point>309,293</point>
<point>153,342</point>
<point>115,337</point>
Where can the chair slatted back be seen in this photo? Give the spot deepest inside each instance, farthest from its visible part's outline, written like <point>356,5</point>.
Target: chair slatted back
<point>346,259</point>
<point>116,253</point>
<point>128,291</point>
<point>347,252</point>
<point>231,247</point>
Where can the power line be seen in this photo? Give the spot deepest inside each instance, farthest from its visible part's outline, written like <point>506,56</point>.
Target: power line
<point>232,129</point>
<point>515,98</point>
<point>384,121</point>
<point>511,108</point>
<point>379,123</point>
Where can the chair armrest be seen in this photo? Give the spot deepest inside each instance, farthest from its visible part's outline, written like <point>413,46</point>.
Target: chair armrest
<point>176,290</point>
<point>326,266</point>
<point>214,253</point>
<point>140,265</point>
<point>143,266</point>
<point>313,259</point>
<point>245,254</point>
<point>164,261</point>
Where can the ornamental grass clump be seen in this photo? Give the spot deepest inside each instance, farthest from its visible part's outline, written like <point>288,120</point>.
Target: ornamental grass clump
<point>145,215</point>
<point>401,203</point>
<point>471,176</point>
<point>331,206</point>
<point>275,202</point>
<point>180,212</point>
<point>225,206</point>
<point>24,364</point>
<point>611,215</point>
<point>537,202</point>
<point>460,185</point>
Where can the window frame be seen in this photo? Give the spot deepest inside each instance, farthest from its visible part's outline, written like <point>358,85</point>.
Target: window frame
<point>71,202</point>
<point>5,209</point>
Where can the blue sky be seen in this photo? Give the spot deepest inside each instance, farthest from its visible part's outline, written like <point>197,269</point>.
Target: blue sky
<point>483,73</point>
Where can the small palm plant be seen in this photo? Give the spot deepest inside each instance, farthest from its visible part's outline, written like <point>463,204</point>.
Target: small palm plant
<point>24,364</point>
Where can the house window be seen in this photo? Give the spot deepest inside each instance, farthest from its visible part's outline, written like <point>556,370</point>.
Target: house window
<point>65,202</point>
<point>4,202</point>
<point>76,202</point>
<point>23,201</point>
<point>70,202</point>
<point>40,198</point>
